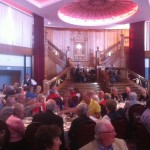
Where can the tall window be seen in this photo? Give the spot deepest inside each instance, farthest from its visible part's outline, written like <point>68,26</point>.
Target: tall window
<point>147,48</point>
<point>147,36</point>
<point>15,27</point>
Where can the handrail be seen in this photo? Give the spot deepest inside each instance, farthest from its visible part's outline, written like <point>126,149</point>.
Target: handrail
<point>138,79</point>
<point>56,48</point>
<point>125,75</point>
<point>110,49</point>
<point>57,55</point>
<point>58,80</point>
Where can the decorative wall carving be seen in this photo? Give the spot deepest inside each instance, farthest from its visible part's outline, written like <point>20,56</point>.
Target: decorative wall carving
<point>79,45</point>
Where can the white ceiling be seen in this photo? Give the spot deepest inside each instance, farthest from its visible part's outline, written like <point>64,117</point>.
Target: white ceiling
<point>49,8</point>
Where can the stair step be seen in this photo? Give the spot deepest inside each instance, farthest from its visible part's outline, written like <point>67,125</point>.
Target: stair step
<point>83,87</point>
<point>122,86</point>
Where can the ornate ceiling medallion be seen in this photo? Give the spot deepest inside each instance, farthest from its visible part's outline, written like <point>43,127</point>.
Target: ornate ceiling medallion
<point>97,12</point>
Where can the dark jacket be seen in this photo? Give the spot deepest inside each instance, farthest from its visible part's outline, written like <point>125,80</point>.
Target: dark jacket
<point>50,118</point>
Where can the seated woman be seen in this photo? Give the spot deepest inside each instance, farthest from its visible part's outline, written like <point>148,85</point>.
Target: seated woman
<point>16,128</point>
<point>47,137</point>
<point>41,106</point>
<point>53,94</point>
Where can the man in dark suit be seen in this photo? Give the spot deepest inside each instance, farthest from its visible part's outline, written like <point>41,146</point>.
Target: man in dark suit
<point>82,111</point>
<point>50,118</point>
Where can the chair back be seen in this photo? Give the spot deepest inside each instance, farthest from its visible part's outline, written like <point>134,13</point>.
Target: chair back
<point>85,133</point>
<point>138,109</point>
<point>30,134</point>
<point>4,135</point>
<point>120,126</point>
<point>143,137</point>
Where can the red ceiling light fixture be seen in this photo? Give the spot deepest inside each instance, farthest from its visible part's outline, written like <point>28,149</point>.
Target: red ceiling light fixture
<point>97,12</point>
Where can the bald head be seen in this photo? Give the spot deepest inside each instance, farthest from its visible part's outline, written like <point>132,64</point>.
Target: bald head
<point>103,126</point>
<point>128,90</point>
<point>51,105</point>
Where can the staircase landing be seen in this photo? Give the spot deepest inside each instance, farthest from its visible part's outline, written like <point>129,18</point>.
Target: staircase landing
<point>82,86</point>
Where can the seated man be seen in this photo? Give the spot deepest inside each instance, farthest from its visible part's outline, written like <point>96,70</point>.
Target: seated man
<point>133,100</point>
<point>144,95</point>
<point>112,114</point>
<point>101,95</point>
<point>82,111</point>
<point>49,118</point>
<point>105,138</point>
<point>7,110</point>
<point>145,118</point>
<point>125,95</point>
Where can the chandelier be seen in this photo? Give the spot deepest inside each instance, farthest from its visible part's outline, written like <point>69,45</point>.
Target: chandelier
<point>97,12</point>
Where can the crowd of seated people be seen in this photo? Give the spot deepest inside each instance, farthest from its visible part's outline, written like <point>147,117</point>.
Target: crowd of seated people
<point>114,75</point>
<point>84,74</point>
<point>88,105</point>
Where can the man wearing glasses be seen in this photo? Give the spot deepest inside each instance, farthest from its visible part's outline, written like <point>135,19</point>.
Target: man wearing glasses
<point>105,138</point>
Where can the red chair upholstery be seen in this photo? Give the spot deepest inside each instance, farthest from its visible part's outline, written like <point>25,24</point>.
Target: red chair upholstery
<point>85,133</point>
<point>143,137</point>
<point>120,126</point>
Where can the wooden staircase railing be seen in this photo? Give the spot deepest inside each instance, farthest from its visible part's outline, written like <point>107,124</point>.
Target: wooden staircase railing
<point>58,80</point>
<point>107,57</point>
<point>126,75</point>
<point>56,55</point>
<point>138,79</point>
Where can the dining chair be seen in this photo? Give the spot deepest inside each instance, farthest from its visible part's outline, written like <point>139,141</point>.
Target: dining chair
<point>138,109</point>
<point>4,135</point>
<point>85,133</point>
<point>142,137</point>
<point>120,126</point>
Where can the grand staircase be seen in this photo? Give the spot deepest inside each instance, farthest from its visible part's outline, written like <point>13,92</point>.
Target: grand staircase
<point>121,86</point>
<point>82,86</point>
<point>63,80</point>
